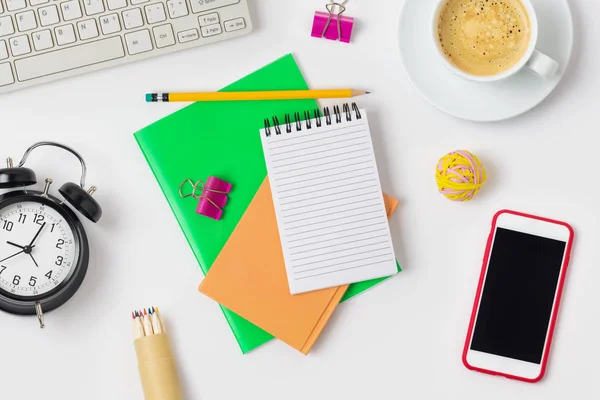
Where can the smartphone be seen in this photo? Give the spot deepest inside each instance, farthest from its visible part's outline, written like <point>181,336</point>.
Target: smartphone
<point>518,296</point>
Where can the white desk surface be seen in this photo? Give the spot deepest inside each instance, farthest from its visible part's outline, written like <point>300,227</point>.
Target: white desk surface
<point>402,339</point>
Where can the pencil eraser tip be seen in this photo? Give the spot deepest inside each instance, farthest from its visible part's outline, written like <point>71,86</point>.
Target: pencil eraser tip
<point>148,98</point>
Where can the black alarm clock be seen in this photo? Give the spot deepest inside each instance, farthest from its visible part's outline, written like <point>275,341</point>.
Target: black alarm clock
<point>44,251</point>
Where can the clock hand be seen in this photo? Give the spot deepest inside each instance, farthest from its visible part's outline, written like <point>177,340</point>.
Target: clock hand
<point>16,245</point>
<point>31,245</point>
<point>36,264</point>
<point>37,234</point>
<point>16,254</point>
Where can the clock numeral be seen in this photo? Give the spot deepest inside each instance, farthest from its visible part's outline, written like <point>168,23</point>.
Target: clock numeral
<point>38,219</point>
<point>52,229</point>
<point>2,270</point>
<point>22,218</point>
<point>16,280</point>
<point>59,260</point>
<point>32,281</point>
<point>19,206</point>
<point>60,243</point>
<point>8,225</point>
<point>49,274</point>
<point>35,292</point>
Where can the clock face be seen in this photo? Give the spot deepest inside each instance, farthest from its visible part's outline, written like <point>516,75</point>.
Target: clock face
<point>38,249</point>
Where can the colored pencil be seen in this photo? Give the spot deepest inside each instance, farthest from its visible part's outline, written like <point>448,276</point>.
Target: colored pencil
<point>156,324</point>
<point>147,324</point>
<point>247,96</point>
<point>138,329</point>
<point>159,318</point>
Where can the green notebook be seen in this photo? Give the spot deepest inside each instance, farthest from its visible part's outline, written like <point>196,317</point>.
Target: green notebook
<point>222,140</point>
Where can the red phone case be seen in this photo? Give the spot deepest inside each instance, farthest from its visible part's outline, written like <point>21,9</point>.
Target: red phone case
<point>561,283</point>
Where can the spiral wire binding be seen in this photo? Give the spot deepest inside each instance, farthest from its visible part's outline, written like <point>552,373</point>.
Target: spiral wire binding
<point>298,121</point>
<point>356,110</point>
<point>277,128</point>
<point>338,114</point>
<point>347,110</point>
<point>318,117</point>
<point>327,115</point>
<point>288,123</point>
<point>307,119</point>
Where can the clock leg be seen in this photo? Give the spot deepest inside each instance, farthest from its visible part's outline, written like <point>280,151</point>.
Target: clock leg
<point>40,314</point>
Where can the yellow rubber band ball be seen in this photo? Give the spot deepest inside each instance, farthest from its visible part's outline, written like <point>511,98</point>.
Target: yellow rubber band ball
<point>459,175</point>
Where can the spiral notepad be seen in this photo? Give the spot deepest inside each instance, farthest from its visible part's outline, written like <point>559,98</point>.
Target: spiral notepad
<point>327,195</point>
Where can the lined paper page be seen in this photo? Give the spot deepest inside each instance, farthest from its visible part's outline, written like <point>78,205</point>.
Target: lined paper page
<point>329,205</point>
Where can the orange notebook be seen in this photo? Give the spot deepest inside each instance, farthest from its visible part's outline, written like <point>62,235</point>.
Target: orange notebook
<point>249,278</point>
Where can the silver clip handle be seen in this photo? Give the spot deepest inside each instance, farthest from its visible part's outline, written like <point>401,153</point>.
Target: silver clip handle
<point>331,9</point>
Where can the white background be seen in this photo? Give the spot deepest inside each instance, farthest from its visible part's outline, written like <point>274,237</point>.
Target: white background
<point>402,339</point>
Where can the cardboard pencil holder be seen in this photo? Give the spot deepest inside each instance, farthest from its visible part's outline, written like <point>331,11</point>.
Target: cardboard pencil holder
<point>157,368</point>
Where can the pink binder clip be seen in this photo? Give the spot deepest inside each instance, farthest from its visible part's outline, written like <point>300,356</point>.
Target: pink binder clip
<point>340,29</point>
<point>212,197</point>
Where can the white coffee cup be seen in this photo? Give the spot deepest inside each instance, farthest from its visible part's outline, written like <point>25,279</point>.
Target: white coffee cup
<point>533,60</point>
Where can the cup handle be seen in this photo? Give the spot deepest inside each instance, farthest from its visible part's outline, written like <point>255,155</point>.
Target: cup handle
<point>542,65</point>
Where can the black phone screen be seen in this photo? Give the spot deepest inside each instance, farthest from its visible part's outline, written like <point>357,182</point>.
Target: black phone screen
<point>518,295</point>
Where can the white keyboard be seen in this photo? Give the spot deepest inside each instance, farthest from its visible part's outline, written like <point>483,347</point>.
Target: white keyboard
<point>46,40</point>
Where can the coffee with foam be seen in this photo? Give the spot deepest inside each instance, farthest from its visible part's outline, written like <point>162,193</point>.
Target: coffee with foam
<point>484,37</point>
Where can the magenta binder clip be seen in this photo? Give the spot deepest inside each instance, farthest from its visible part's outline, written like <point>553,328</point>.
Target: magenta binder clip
<point>333,25</point>
<point>212,197</point>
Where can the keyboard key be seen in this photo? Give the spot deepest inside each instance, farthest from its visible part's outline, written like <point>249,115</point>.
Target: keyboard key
<point>64,34</point>
<point>42,40</point>
<point>26,21</point>
<point>19,45</point>
<point>116,4</point>
<point>211,30</point>
<point>199,6</point>
<point>38,2</point>
<point>208,19</point>
<point>6,26</point>
<point>132,18</point>
<point>71,10</point>
<point>70,58</point>
<point>155,13</point>
<point>14,5</point>
<point>177,8</point>
<point>6,76</point>
<point>48,15</point>
<point>134,2</point>
<point>93,7</point>
<point>138,42</point>
<point>235,25</point>
<point>3,50</point>
<point>87,29</point>
<point>1,10</point>
<point>188,36</point>
<point>163,36</point>
<point>110,24</point>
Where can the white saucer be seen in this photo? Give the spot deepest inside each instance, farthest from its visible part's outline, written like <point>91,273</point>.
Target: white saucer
<point>482,101</point>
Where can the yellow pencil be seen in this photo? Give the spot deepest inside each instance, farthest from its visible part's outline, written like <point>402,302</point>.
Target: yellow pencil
<point>246,96</point>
